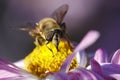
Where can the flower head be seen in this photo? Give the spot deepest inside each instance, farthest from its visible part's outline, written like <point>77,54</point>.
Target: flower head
<point>46,58</point>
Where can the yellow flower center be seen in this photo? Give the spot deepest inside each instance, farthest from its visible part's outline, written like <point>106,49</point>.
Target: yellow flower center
<point>46,57</point>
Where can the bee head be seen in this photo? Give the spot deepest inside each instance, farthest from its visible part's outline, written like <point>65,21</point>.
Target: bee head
<point>49,36</point>
<point>48,27</point>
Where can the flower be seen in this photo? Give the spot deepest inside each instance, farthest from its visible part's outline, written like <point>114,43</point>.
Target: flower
<point>16,73</point>
<point>46,58</point>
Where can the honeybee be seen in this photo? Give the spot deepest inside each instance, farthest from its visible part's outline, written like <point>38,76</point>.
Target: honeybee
<point>50,29</point>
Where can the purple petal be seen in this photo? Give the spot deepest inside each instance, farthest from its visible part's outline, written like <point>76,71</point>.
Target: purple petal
<point>10,68</point>
<point>9,75</point>
<point>99,77</point>
<point>9,71</point>
<point>9,64</point>
<point>18,78</point>
<point>116,57</point>
<point>75,76</point>
<point>57,76</point>
<point>13,78</point>
<point>88,40</point>
<point>6,62</point>
<point>87,75</point>
<point>83,74</point>
<point>97,69</point>
<point>112,70</point>
<point>101,56</point>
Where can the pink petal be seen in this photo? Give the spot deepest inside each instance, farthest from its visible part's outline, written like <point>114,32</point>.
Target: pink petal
<point>101,56</point>
<point>116,57</point>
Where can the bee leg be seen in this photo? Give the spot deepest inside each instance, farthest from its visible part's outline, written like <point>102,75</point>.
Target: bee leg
<point>49,48</point>
<point>56,40</point>
<point>37,41</point>
<point>57,43</point>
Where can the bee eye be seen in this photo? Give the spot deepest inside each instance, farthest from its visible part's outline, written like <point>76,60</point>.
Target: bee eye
<point>49,35</point>
<point>60,32</point>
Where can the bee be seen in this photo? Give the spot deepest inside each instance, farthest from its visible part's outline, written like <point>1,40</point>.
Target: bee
<point>50,29</point>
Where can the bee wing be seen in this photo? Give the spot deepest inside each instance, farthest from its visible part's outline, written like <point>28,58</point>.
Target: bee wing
<point>59,13</point>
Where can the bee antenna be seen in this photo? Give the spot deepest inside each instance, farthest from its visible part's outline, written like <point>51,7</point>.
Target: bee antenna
<point>24,29</point>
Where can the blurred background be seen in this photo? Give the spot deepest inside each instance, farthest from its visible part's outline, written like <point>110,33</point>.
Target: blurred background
<point>83,15</point>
